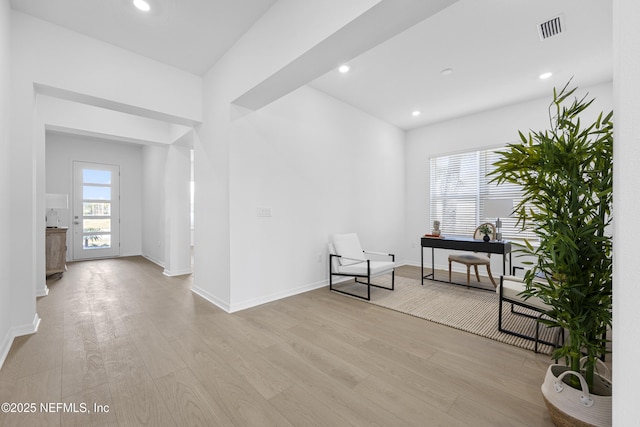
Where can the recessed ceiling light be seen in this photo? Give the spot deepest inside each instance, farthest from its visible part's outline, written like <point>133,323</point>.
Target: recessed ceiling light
<point>545,76</point>
<point>344,69</point>
<point>142,5</point>
<point>416,113</point>
<point>447,71</point>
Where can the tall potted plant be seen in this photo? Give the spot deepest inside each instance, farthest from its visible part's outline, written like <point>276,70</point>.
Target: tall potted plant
<point>566,174</point>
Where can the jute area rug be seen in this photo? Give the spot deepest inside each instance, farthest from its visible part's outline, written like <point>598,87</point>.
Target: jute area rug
<point>468,309</point>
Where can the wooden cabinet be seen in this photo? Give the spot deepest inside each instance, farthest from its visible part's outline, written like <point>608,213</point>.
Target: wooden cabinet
<point>56,250</point>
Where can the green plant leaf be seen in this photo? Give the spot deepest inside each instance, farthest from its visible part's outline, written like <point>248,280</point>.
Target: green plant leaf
<point>566,173</point>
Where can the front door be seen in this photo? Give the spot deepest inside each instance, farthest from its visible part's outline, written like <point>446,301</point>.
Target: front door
<point>96,210</point>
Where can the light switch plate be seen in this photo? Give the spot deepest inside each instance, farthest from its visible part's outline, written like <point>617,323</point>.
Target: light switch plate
<point>263,212</point>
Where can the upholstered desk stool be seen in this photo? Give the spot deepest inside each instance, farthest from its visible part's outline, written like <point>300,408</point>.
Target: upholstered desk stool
<point>475,259</point>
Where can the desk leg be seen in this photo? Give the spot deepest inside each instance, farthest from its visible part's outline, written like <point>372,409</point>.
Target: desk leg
<point>504,263</point>
<point>422,265</point>
<point>433,268</point>
<point>433,265</point>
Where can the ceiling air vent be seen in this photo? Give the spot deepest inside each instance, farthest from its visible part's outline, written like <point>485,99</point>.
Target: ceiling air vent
<point>550,28</point>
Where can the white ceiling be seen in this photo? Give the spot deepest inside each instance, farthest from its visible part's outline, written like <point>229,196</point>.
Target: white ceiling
<point>492,46</point>
<point>496,55</point>
<point>188,34</point>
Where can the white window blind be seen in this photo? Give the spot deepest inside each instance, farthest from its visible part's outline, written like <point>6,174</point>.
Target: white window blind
<point>460,188</point>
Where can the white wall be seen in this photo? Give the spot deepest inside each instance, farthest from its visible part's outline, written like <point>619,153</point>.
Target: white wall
<point>98,73</point>
<point>487,129</point>
<point>154,160</point>
<point>83,119</point>
<point>166,234</point>
<point>264,49</point>
<point>626,292</point>
<point>60,58</point>
<point>62,150</point>
<point>322,167</point>
<point>6,334</point>
<point>177,225</point>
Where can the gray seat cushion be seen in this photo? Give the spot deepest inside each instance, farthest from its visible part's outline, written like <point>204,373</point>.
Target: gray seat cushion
<point>470,259</point>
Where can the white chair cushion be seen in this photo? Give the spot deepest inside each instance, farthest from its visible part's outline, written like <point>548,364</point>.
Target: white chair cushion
<point>348,246</point>
<point>377,267</point>
<point>512,286</point>
<point>335,262</point>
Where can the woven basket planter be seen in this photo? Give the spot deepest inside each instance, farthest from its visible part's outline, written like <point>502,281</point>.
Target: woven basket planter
<point>576,408</point>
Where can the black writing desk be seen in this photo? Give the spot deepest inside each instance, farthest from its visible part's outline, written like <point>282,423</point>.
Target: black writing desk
<point>502,247</point>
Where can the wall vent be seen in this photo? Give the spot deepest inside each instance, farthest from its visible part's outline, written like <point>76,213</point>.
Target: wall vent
<point>552,27</point>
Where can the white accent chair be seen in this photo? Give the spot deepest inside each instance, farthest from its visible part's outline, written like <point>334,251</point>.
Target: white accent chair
<point>347,258</point>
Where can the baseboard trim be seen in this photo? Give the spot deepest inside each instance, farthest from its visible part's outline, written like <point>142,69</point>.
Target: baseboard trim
<point>5,347</point>
<point>276,296</point>
<point>15,332</point>
<point>211,298</point>
<point>153,260</point>
<point>232,308</point>
<point>42,292</point>
<point>27,329</point>
<point>411,263</point>
<point>291,292</point>
<point>177,273</point>
<point>427,265</point>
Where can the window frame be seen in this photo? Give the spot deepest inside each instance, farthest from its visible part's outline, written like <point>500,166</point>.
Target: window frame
<point>469,192</point>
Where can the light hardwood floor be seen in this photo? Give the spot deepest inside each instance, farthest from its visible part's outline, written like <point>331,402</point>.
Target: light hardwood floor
<point>118,333</point>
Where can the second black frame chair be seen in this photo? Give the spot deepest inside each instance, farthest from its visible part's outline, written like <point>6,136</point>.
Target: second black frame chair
<point>509,291</point>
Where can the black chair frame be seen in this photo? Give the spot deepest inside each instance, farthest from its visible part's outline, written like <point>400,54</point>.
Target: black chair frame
<point>357,276</point>
<point>559,340</point>
<point>522,303</point>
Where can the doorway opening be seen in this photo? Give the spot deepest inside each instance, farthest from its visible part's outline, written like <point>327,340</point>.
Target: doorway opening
<point>96,210</point>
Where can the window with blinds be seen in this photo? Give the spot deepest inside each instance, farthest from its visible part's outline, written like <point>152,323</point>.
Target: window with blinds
<point>459,189</point>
